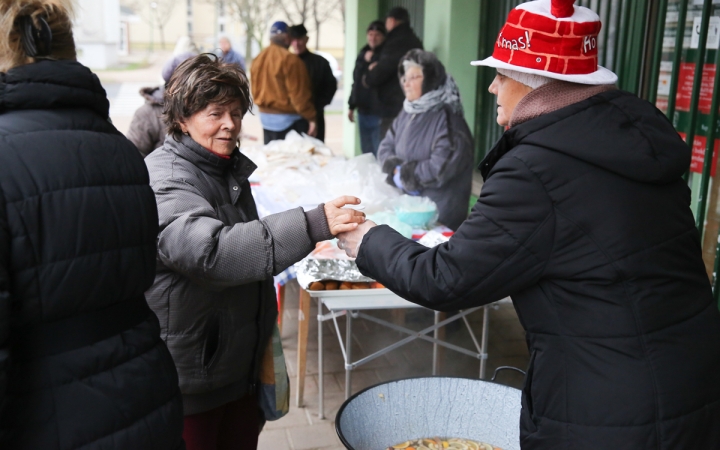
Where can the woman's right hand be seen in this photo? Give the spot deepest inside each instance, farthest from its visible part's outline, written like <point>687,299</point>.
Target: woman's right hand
<point>341,220</point>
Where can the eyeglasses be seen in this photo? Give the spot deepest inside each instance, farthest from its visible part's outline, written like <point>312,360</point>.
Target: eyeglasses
<point>416,77</point>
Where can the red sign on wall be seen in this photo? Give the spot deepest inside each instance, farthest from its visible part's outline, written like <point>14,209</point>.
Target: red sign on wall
<point>685,87</point>
<point>698,154</point>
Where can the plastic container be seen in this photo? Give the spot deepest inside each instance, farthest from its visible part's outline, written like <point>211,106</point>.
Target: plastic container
<point>418,212</point>
<point>391,220</point>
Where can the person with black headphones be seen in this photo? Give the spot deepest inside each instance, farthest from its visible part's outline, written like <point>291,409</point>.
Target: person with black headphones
<point>82,364</point>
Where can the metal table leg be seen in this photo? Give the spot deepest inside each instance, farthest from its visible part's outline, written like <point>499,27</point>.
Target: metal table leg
<point>484,341</point>
<point>436,335</point>
<point>348,354</point>
<point>321,383</point>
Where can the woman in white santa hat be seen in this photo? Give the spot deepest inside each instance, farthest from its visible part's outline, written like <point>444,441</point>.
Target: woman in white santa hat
<point>584,221</point>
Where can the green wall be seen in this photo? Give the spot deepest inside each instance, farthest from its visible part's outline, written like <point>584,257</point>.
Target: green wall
<point>451,31</point>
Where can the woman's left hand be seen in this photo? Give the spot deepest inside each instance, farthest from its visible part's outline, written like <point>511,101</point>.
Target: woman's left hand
<point>343,219</point>
<point>351,240</point>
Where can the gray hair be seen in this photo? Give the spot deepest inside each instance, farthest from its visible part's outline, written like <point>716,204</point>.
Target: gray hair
<point>434,74</point>
<point>407,64</point>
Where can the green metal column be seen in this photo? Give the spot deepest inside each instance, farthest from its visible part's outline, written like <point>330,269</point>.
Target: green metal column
<point>358,15</point>
<point>452,32</point>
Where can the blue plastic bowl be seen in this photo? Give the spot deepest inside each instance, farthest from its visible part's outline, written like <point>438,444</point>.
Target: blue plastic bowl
<point>416,219</point>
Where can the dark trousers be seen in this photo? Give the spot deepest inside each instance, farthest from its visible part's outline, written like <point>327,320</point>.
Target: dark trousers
<point>385,125</point>
<point>232,426</point>
<point>369,125</point>
<point>320,124</point>
<point>301,126</point>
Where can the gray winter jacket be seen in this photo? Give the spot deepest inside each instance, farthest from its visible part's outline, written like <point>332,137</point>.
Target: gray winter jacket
<point>147,130</point>
<point>435,153</point>
<point>213,291</point>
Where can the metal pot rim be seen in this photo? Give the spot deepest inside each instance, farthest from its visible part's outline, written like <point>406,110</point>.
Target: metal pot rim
<point>352,397</point>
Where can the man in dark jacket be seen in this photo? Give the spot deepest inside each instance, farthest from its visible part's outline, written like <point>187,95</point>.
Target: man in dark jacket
<point>82,364</point>
<point>383,74</point>
<point>364,99</point>
<point>322,79</point>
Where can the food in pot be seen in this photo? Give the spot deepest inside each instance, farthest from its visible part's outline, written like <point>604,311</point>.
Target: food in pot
<point>442,444</point>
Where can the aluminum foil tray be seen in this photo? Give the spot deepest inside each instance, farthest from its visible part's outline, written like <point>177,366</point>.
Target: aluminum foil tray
<point>311,269</point>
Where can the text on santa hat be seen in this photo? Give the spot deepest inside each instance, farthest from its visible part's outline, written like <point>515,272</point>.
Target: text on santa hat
<point>589,43</point>
<point>521,43</point>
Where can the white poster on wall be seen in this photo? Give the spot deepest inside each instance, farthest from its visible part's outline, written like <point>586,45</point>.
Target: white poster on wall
<point>713,39</point>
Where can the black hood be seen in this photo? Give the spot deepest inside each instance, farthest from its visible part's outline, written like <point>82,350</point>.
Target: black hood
<point>52,85</point>
<point>614,130</point>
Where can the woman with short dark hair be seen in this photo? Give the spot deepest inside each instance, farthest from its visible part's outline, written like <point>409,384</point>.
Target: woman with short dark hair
<point>214,292</point>
<point>428,150</point>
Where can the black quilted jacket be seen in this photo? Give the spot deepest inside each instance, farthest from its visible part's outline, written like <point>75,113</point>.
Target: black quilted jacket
<point>584,221</point>
<point>82,364</point>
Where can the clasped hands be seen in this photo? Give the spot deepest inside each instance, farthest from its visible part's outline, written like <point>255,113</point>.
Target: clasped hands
<point>348,225</point>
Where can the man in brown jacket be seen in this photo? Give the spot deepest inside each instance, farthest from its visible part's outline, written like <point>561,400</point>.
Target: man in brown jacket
<point>281,88</point>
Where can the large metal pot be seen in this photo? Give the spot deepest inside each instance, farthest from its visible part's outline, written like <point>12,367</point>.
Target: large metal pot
<point>394,412</point>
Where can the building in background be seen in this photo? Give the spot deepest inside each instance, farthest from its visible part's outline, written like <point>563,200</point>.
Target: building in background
<point>97,33</point>
<point>205,21</point>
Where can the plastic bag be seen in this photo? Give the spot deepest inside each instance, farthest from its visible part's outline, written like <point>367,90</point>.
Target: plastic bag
<point>274,391</point>
<point>360,176</point>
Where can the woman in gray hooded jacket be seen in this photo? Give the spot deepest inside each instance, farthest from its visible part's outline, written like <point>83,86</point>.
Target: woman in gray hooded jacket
<point>428,150</point>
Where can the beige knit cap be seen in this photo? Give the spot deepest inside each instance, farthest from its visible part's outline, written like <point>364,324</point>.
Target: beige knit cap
<point>528,79</point>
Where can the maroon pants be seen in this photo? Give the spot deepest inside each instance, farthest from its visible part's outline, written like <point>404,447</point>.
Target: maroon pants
<point>232,426</point>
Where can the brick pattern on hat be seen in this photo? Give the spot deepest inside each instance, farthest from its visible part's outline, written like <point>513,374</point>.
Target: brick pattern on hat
<point>539,42</point>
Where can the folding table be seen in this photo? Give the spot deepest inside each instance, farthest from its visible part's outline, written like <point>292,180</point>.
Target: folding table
<point>351,303</point>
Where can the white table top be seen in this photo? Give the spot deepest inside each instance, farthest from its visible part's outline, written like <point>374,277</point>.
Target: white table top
<point>357,299</point>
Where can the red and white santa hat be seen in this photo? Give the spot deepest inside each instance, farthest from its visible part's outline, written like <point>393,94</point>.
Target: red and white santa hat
<point>551,38</point>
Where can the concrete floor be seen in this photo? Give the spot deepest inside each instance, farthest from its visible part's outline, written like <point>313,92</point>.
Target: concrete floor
<point>302,430</point>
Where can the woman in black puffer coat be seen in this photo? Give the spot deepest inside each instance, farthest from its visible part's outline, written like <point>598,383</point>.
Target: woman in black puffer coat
<point>584,220</point>
<point>82,364</point>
